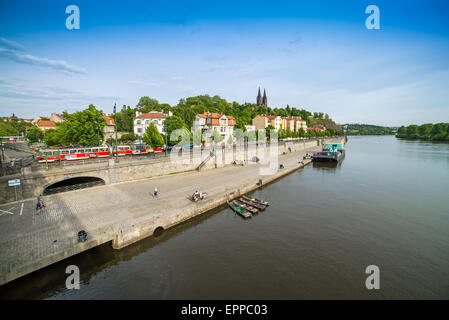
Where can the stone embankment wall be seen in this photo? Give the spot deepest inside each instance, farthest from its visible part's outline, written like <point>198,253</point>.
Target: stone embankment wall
<point>33,182</point>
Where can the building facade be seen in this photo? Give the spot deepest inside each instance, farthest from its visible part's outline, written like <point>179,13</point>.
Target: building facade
<point>46,125</point>
<point>215,121</point>
<point>263,121</point>
<point>143,120</point>
<point>56,117</point>
<point>109,128</point>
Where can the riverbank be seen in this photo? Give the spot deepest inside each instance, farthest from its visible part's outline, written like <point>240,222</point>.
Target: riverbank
<point>122,213</point>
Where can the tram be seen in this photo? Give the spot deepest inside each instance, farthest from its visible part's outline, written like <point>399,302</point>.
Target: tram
<point>52,155</point>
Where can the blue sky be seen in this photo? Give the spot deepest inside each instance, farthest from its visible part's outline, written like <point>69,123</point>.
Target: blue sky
<point>316,55</point>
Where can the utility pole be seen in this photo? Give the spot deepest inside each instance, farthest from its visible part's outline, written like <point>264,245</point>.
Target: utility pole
<point>115,129</point>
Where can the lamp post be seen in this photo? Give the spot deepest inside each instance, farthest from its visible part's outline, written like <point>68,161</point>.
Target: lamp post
<point>165,133</point>
<point>98,136</point>
<point>115,129</point>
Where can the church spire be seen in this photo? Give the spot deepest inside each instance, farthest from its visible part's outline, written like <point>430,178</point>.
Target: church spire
<point>264,99</point>
<point>259,98</point>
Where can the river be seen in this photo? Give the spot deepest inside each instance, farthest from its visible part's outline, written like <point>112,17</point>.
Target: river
<point>386,204</point>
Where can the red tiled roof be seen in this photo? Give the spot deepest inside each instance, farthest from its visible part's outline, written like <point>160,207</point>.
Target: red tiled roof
<point>109,121</point>
<point>212,118</point>
<point>46,124</point>
<point>151,115</point>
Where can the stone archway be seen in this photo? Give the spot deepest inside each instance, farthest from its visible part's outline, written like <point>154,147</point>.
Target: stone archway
<point>75,183</point>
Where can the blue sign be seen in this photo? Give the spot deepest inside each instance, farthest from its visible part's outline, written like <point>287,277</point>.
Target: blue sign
<point>13,183</point>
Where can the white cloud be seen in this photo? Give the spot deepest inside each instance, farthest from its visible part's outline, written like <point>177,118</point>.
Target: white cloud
<point>11,50</point>
<point>10,44</point>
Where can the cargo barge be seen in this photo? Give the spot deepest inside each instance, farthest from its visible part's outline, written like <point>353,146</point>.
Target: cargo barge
<point>332,152</point>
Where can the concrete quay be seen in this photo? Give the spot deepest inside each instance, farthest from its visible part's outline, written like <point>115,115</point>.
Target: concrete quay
<point>121,213</point>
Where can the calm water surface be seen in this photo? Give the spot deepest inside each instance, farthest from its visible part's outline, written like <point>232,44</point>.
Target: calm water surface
<point>386,204</point>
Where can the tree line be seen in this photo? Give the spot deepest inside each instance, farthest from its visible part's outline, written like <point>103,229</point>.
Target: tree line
<point>428,131</point>
<point>367,130</point>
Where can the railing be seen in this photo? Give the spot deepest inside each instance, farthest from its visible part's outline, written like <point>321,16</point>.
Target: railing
<point>95,162</point>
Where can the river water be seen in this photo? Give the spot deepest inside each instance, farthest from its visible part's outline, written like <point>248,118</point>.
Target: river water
<point>386,204</point>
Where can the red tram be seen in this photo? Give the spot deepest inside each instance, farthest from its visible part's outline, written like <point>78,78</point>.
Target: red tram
<point>51,155</point>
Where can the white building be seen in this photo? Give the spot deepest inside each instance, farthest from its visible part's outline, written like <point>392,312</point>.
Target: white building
<point>209,121</point>
<point>143,120</point>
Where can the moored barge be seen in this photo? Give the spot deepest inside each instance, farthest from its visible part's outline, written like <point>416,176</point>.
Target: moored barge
<point>332,152</point>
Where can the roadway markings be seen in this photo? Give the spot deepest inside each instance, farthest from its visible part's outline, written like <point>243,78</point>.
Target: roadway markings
<point>21,209</point>
<point>7,211</point>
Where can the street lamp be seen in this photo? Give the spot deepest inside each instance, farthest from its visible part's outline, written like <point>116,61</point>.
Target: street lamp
<point>98,136</point>
<point>165,133</point>
<point>115,129</point>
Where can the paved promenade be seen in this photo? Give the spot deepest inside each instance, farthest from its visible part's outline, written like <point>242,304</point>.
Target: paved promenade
<point>29,242</point>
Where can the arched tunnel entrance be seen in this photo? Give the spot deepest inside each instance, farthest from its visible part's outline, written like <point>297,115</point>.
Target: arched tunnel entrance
<point>73,184</point>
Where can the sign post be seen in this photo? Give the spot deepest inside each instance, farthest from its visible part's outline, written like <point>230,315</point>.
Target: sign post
<point>14,183</point>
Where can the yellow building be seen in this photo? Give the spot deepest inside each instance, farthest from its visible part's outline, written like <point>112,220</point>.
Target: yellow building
<point>263,121</point>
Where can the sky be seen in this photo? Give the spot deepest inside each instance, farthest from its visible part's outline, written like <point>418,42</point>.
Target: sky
<point>317,55</point>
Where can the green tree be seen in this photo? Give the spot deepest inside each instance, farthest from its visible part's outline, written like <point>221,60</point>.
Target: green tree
<point>412,132</point>
<point>173,123</point>
<point>301,132</point>
<point>52,137</point>
<point>268,132</point>
<point>153,137</point>
<point>129,137</point>
<point>425,131</point>
<point>148,104</point>
<point>34,134</point>
<point>80,128</point>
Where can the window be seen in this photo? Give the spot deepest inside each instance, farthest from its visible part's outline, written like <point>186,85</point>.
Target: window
<point>147,121</point>
<point>139,130</point>
<point>138,122</point>
<point>155,121</point>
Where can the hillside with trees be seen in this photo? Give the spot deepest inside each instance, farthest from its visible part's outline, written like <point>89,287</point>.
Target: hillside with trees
<point>367,130</point>
<point>428,131</point>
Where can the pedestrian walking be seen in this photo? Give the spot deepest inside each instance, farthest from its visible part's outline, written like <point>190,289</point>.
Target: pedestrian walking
<point>40,204</point>
<point>156,192</point>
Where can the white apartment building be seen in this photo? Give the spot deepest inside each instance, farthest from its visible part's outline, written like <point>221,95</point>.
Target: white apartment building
<point>143,120</point>
<point>209,121</point>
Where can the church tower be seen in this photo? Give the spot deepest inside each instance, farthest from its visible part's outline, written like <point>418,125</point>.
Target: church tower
<point>264,99</point>
<point>259,99</point>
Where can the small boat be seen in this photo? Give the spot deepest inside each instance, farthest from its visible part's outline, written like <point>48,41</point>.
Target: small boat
<point>332,152</point>
<point>265,203</point>
<point>253,204</point>
<point>239,210</point>
<point>247,207</point>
